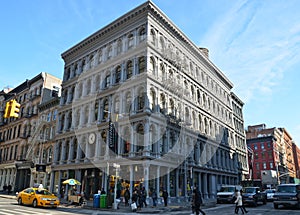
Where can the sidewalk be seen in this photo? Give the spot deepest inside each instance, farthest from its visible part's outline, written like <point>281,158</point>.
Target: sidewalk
<point>172,207</point>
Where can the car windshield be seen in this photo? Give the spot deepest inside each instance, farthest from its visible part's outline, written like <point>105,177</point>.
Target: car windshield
<point>227,189</point>
<point>286,189</point>
<point>43,192</point>
<point>249,190</point>
<point>270,191</point>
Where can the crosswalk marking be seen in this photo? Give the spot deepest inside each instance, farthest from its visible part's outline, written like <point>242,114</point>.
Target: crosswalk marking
<point>20,211</point>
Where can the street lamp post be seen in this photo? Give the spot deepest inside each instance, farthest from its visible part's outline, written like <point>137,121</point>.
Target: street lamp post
<point>117,166</point>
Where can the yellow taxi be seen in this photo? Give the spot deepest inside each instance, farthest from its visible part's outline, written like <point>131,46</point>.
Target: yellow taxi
<point>37,197</point>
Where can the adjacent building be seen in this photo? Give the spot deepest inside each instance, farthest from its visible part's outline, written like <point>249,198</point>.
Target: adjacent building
<point>143,106</point>
<point>273,155</point>
<point>19,137</point>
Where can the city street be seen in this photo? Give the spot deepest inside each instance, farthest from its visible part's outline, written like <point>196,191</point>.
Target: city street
<point>10,207</point>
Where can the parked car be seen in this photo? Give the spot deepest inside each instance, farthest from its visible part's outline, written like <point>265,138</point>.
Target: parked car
<point>227,193</point>
<point>287,195</point>
<point>253,195</point>
<point>37,197</point>
<point>270,194</point>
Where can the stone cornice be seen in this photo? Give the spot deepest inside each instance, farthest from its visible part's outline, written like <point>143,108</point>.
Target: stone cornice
<point>107,29</point>
<point>152,10</point>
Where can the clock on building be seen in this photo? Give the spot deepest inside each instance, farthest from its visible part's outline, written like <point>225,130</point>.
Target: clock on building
<point>92,138</point>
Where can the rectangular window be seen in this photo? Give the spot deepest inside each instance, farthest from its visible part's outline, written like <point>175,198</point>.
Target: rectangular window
<point>49,117</point>
<point>257,166</point>
<point>265,165</point>
<point>255,146</point>
<point>271,165</point>
<point>263,156</point>
<point>55,91</point>
<point>262,146</point>
<point>270,154</point>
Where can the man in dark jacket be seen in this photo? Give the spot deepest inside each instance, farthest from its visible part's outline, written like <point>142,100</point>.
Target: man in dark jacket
<point>197,201</point>
<point>165,196</point>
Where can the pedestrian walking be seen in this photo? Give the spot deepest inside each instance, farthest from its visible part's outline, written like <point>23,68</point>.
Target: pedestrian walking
<point>197,201</point>
<point>165,196</point>
<point>239,203</point>
<point>127,196</point>
<point>243,206</point>
<point>154,197</point>
<point>4,188</point>
<point>143,197</point>
<point>8,189</point>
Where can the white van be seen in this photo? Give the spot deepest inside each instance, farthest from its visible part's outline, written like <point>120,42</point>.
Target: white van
<point>227,193</point>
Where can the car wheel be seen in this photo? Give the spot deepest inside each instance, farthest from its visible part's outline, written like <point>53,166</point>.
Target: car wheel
<point>20,201</point>
<point>34,203</point>
<point>275,206</point>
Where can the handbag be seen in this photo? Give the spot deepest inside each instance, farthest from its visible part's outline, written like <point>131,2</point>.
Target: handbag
<point>133,206</point>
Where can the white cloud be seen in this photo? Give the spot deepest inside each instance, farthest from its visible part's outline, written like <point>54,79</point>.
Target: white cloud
<point>254,47</point>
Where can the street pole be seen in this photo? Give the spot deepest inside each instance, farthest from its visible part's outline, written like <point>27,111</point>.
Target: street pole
<point>117,166</point>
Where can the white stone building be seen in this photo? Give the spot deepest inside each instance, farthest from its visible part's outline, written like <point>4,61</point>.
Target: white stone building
<point>171,108</point>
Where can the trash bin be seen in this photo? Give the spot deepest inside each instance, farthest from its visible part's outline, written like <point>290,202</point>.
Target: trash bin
<point>103,201</point>
<point>96,201</point>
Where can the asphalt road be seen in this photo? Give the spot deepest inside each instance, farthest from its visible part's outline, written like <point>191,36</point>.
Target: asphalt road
<point>10,207</point>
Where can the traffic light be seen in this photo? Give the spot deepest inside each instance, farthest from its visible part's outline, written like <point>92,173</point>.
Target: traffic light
<point>7,109</point>
<point>15,109</point>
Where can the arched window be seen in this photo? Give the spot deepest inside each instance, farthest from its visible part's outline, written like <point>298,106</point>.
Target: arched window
<point>128,103</point>
<point>141,100</point>
<point>142,65</point>
<point>109,52</point>
<point>129,69</point>
<point>119,46</point>
<point>152,65</point>
<point>96,110</point>
<point>105,110</point>
<point>117,105</point>
<point>107,81</point>
<point>130,41</point>
<point>140,138</point>
<point>162,103</point>
<point>118,74</point>
<point>163,71</point>
<point>142,34</point>
<point>126,142</point>
<point>172,107</point>
<point>153,37</point>
<point>153,99</point>
<point>161,43</point>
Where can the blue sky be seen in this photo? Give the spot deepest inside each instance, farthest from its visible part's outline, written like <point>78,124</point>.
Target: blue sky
<point>256,44</point>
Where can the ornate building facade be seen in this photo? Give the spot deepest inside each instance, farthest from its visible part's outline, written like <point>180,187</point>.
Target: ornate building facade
<point>19,137</point>
<point>142,104</point>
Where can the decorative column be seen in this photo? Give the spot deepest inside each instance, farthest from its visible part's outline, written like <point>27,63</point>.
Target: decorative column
<point>98,143</point>
<point>157,179</point>
<point>131,170</point>
<point>205,185</point>
<point>146,151</point>
<point>63,152</point>
<point>71,151</point>
<point>146,176</point>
